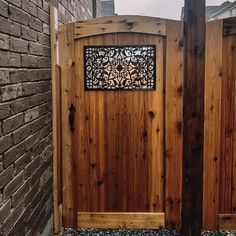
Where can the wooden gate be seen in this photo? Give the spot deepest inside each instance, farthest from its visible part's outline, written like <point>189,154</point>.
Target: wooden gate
<point>114,72</point>
<point>121,138</point>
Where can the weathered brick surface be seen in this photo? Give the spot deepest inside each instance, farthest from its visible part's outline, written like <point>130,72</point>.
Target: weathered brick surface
<point>4,77</point>
<point>4,110</point>
<point>30,88</point>
<point>30,8</point>
<point>13,122</point>
<point>22,161</point>
<point>6,176</point>
<point>13,154</point>
<point>5,143</point>
<point>10,92</point>
<point>21,133</point>
<point>20,105</point>
<point>17,76</point>
<point>17,15</point>
<point>10,59</point>
<point>29,34</point>
<point>3,8</point>
<point>4,41</point>
<point>31,114</point>
<point>36,24</point>
<point>26,196</point>
<point>13,185</point>
<point>12,219</point>
<point>31,61</point>
<point>5,211</point>
<point>10,27</point>
<point>15,2</point>
<point>44,39</point>
<point>18,45</point>
<point>20,193</point>
<point>38,49</point>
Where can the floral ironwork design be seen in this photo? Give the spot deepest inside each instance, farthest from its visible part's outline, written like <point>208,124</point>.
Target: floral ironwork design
<point>120,67</point>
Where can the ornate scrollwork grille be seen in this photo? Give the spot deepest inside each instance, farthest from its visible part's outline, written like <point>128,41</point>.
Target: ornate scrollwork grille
<point>120,67</point>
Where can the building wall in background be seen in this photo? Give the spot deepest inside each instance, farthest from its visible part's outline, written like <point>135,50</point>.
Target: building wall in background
<point>108,7</point>
<point>229,10</point>
<point>26,192</point>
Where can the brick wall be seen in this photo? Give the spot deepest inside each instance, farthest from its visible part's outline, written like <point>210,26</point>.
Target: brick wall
<point>25,111</point>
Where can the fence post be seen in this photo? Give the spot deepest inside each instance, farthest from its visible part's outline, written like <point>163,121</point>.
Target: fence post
<point>56,117</point>
<point>193,117</point>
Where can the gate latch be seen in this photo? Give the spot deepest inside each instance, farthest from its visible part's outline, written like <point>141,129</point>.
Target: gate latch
<point>72,117</point>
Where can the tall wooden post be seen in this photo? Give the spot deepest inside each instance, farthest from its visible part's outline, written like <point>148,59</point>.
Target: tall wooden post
<point>193,117</point>
<point>56,118</point>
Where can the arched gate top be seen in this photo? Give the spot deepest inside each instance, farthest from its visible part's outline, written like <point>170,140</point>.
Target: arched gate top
<point>120,24</point>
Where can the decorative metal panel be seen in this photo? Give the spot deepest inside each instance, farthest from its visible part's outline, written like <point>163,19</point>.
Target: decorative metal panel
<point>131,67</point>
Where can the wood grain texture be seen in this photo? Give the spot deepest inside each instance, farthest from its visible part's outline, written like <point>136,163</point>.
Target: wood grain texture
<point>120,24</point>
<point>104,220</point>
<point>227,221</point>
<point>193,116</point>
<point>229,26</point>
<point>227,125</point>
<point>56,117</point>
<point>234,131</point>
<point>173,124</point>
<point>66,44</point>
<point>119,139</point>
<point>212,132</point>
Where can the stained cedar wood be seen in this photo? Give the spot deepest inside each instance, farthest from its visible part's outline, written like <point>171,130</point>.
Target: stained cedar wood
<point>227,221</point>
<point>140,156</point>
<point>125,24</point>
<point>155,140</point>
<point>193,117</point>
<point>124,115</point>
<point>229,26</point>
<point>233,61</point>
<point>81,105</point>
<point>121,220</point>
<point>66,42</point>
<point>234,134</point>
<point>227,125</point>
<point>233,111</point>
<point>56,120</point>
<point>212,132</point>
<point>173,123</point>
<point>122,149</point>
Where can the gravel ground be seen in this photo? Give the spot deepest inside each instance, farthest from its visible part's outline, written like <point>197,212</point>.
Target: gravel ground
<point>125,232</point>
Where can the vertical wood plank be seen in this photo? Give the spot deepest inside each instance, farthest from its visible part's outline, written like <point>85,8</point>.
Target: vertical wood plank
<point>227,125</point>
<point>234,132</point>
<point>173,124</point>
<point>82,127</point>
<point>193,117</point>
<point>155,127</point>
<point>213,74</point>
<point>92,149</point>
<point>56,117</point>
<point>67,50</point>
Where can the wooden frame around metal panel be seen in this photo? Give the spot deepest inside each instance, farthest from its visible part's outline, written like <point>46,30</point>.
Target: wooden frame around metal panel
<point>120,24</point>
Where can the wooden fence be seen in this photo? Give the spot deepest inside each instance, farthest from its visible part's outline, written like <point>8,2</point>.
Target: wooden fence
<point>219,200</point>
<point>220,126</point>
